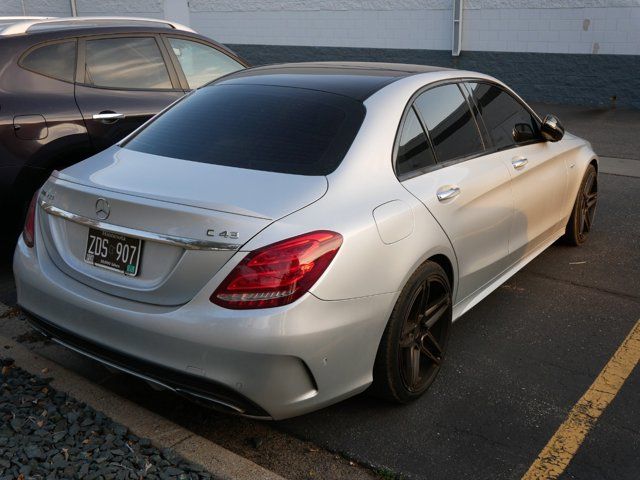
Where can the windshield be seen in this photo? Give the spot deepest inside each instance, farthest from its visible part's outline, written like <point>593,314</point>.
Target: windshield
<point>276,129</point>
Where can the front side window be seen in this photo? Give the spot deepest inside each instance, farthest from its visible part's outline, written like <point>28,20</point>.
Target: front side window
<point>258,127</point>
<point>451,125</point>
<point>508,122</point>
<point>414,151</point>
<point>201,63</point>
<point>126,63</point>
<point>57,60</point>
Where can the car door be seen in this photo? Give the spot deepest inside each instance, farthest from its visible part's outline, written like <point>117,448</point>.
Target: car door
<point>537,168</point>
<point>467,191</point>
<point>197,63</point>
<point>124,81</point>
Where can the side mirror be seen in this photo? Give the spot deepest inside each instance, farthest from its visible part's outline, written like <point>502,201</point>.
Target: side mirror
<point>522,132</point>
<point>551,129</point>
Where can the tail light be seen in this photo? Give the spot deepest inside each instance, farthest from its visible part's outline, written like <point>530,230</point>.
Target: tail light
<point>278,274</point>
<point>30,223</point>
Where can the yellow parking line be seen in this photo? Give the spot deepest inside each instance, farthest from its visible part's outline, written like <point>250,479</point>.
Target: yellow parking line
<point>564,444</point>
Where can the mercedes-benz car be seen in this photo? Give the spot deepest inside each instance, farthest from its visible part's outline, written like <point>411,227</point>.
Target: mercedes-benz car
<point>292,235</point>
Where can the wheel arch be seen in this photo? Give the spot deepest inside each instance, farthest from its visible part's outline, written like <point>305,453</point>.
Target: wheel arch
<point>446,265</point>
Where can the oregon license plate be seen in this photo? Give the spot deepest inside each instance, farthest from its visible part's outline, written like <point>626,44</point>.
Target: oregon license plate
<point>113,251</point>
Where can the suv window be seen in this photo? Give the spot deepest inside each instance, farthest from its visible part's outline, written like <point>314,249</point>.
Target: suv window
<point>414,151</point>
<point>127,63</point>
<point>508,122</point>
<point>259,127</point>
<point>57,60</point>
<point>451,125</point>
<point>202,63</point>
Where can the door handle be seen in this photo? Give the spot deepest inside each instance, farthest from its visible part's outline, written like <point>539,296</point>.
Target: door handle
<point>448,192</point>
<point>108,117</point>
<point>519,162</point>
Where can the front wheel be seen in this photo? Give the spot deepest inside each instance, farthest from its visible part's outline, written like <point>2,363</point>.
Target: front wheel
<point>414,343</point>
<point>581,219</point>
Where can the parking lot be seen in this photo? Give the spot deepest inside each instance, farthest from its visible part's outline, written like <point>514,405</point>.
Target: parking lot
<point>517,364</point>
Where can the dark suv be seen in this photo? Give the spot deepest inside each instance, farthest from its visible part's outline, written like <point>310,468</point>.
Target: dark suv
<point>71,88</point>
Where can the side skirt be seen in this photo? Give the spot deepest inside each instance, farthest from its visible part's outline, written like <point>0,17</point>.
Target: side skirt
<point>466,304</point>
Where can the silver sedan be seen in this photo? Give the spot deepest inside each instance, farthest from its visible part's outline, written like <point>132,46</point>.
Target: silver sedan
<point>292,235</point>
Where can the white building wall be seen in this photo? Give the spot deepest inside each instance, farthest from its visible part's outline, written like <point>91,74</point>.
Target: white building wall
<point>561,26</point>
<point>388,24</point>
<point>49,8</point>
<point>547,26</point>
<point>138,8</point>
<point>553,29</point>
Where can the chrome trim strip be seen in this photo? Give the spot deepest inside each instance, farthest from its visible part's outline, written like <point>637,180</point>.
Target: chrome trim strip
<point>183,242</point>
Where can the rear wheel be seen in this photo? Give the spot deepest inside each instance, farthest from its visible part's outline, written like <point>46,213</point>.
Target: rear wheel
<point>415,340</point>
<point>584,209</point>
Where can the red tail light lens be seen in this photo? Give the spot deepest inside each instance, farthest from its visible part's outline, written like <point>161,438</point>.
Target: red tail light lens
<point>30,222</point>
<point>278,274</point>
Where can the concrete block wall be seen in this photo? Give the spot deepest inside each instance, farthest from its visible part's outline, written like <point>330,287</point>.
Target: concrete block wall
<point>541,77</point>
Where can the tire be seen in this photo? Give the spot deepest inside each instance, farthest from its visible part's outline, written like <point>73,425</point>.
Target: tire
<point>395,377</point>
<point>582,215</point>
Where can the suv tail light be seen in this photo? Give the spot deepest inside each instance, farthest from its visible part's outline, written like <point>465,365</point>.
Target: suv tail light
<point>278,274</point>
<point>30,222</point>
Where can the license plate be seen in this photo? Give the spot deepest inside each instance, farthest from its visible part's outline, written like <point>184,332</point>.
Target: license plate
<point>113,251</point>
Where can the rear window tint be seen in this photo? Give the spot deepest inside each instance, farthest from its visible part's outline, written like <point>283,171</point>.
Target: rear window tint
<point>57,60</point>
<point>276,129</point>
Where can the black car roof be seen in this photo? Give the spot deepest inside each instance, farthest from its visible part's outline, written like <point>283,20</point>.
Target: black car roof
<point>358,80</point>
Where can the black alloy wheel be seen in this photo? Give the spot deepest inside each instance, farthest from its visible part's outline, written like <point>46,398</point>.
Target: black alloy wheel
<point>414,343</point>
<point>581,220</point>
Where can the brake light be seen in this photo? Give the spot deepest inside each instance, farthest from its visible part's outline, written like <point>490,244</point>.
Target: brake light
<point>278,274</point>
<point>30,222</point>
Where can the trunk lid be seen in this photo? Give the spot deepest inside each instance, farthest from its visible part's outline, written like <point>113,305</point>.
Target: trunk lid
<point>191,217</point>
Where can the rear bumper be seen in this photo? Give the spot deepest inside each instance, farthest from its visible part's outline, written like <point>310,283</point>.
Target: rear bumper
<point>272,363</point>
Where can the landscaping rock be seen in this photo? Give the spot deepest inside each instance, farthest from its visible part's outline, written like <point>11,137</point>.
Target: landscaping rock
<point>47,434</point>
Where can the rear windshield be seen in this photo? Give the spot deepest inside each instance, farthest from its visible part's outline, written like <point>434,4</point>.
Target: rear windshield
<point>276,129</point>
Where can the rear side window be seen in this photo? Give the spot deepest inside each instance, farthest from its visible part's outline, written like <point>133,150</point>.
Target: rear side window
<point>126,63</point>
<point>414,151</point>
<point>277,129</point>
<point>451,125</point>
<point>507,121</point>
<point>202,63</point>
<point>57,60</point>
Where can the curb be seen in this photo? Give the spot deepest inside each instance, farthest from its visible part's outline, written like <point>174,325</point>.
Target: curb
<point>163,433</point>
<point>620,166</point>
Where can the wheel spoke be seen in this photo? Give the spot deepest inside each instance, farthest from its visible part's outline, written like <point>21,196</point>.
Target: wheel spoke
<point>587,221</point>
<point>425,351</point>
<point>435,357</point>
<point>412,365</point>
<point>424,297</point>
<point>436,311</point>
<point>591,200</point>
<point>589,185</point>
<point>434,342</point>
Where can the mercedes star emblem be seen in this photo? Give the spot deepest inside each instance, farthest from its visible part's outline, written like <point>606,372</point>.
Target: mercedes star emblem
<point>103,209</point>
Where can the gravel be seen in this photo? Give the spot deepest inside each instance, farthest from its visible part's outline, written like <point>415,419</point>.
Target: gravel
<point>45,434</point>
